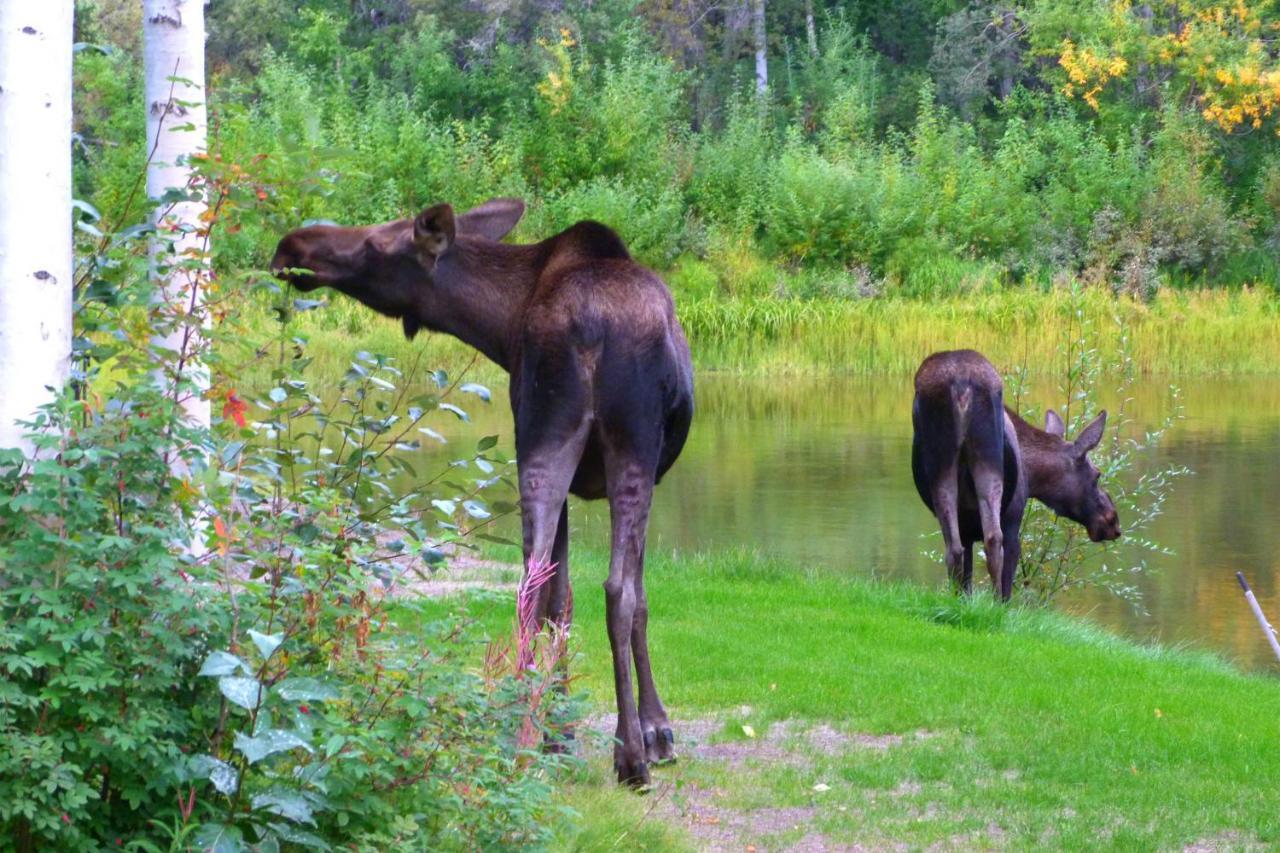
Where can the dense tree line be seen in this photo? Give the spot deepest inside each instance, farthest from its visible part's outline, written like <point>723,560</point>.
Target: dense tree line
<point>864,147</point>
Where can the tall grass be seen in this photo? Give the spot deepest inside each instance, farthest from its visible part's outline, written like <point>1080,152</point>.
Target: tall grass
<point>1177,333</point>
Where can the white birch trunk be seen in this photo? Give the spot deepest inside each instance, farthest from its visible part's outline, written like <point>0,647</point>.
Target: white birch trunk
<point>35,207</point>
<point>173,47</point>
<point>810,30</point>
<point>762,59</point>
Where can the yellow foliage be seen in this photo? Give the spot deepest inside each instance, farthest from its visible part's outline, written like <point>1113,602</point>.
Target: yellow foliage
<point>1217,48</point>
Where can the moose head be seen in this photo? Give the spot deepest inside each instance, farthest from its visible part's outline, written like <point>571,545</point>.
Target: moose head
<point>1067,481</point>
<point>393,267</point>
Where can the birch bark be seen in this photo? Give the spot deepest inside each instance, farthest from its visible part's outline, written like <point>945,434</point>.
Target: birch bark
<point>35,207</point>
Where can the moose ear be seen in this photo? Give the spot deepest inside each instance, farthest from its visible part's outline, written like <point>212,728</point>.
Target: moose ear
<point>434,230</point>
<point>1054,425</point>
<point>1090,436</point>
<point>494,219</point>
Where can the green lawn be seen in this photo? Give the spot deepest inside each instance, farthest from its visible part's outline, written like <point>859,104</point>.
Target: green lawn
<point>1018,728</point>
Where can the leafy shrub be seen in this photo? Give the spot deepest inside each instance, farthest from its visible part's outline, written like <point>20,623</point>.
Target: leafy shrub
<point>223,653</point>
<point>99,638</point>
<point>1056,553</point>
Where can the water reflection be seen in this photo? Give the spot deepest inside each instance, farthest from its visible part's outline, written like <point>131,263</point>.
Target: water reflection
<point>818,471</point>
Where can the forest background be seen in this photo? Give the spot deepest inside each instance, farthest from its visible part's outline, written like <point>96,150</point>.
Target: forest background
<point>751,149</point>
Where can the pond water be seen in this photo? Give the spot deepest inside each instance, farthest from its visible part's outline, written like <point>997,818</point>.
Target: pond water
<point>817,471</point>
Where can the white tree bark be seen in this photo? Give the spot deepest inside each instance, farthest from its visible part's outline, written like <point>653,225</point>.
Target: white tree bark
<point>758,36</point>
<point>35,207</point>
<point>810,30</point>
<point>173,47</point>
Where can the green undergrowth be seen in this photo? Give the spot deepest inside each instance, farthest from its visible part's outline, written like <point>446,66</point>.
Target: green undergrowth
<point>1019,727</point>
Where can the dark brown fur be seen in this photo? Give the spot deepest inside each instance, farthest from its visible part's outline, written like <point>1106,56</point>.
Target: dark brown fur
<point>976,463</point>
<point>601,389</point>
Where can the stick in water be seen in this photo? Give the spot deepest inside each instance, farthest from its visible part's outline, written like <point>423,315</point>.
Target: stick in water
<point>1257,611</point>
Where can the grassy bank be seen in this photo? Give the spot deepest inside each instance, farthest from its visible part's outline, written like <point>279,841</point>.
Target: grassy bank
<point>1179,333</point>
<point>888,714</point>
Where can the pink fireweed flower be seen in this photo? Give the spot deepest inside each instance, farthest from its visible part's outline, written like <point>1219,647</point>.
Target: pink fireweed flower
<point>537,574</point>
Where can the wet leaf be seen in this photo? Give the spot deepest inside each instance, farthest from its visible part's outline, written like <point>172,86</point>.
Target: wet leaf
<point>220,773</point>
<point>254,749</point>
<point>266,643</point>
<point>304,690</point>
<point>245,692</point>
<point>289,806</point>
<point>219,838</point>
<point>221,663</point>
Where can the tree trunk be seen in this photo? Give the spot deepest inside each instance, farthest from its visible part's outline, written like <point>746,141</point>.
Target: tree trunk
<point>810,29</point>
<point>173,47</point>
<point>35,207</point>
<point>758,37</point>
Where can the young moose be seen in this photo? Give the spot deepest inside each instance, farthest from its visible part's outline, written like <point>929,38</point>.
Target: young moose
<point>601,389</point>
<point>976,462</point>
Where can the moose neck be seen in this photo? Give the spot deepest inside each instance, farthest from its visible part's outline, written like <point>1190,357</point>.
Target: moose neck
<point>479,294</point>
<point>1041,460</point>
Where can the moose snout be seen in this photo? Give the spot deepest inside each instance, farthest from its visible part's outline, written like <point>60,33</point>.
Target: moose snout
<point>289,256</point>
<point>1107,528</point>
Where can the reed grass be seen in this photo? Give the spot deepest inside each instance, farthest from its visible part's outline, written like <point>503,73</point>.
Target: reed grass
<point>1177,333</point>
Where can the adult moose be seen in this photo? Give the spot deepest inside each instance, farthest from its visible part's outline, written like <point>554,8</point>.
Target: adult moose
<point>601,390</point>
<point>976,462</point>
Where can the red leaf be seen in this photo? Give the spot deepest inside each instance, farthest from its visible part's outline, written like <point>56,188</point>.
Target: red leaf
<point>234,408</point>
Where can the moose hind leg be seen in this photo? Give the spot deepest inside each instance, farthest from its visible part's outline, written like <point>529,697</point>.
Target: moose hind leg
<point>945,507</point>
<point>988,480</point>
<point>655,727</point>
<point>630,491</point>
<point>1012,554</point>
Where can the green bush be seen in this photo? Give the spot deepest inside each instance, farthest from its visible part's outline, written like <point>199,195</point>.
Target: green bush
<point>227,652</point>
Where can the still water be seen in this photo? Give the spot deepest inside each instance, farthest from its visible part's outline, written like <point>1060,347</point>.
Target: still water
<point>817,471</point>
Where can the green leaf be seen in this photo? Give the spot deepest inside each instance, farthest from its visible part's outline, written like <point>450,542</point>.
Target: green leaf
<point>86,208</point>
<point>304,690</point>
<point>269,742</point>
<point>219,838</point>
<point>220,773</point>
<point>221,663</point>
<point>486,443</point>
<point>289,806</point>
<point>300,837</point>
<point>245,692</point>
<point>266,643</point>
<point>477,389</point>
<point>430,433</point>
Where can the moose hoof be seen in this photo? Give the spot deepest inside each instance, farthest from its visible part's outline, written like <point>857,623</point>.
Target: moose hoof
<point>659,746</point>
<point>632,773</point>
